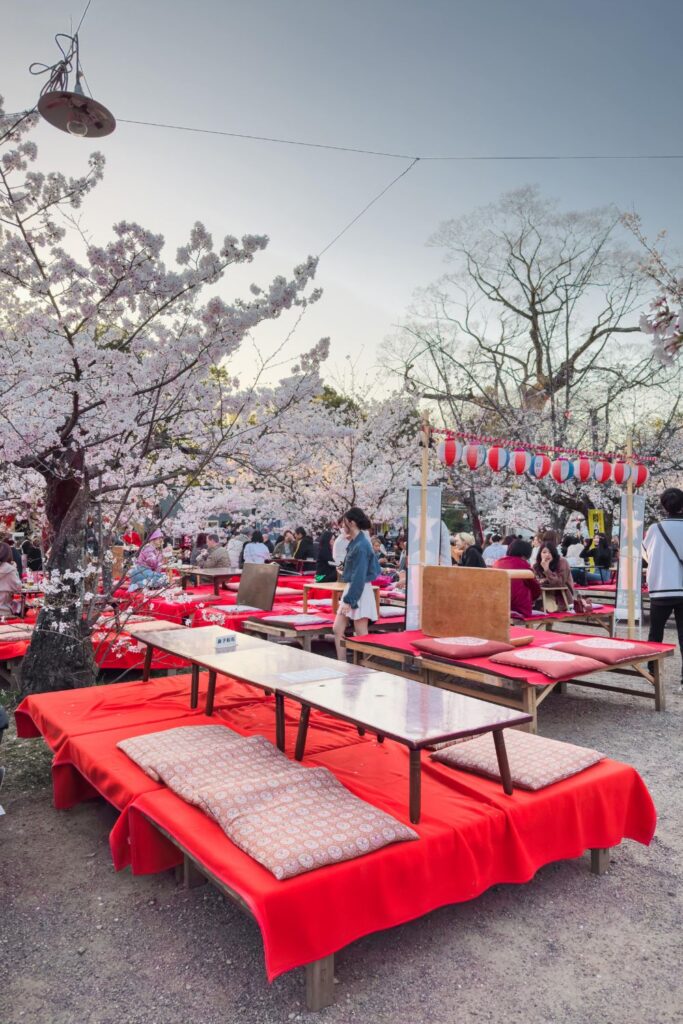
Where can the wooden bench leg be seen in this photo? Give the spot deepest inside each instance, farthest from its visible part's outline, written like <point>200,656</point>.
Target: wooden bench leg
<point>503,765</point>
<point>280,721</point>
<point>192,878</point>
<point>529,705</point>
<point>599,861</point>
<point>415,787</point>
<point>658,683</point>
<point>320,983</point>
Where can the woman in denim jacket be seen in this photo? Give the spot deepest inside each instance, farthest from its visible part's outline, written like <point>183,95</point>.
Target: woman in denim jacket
<point>361,567</point>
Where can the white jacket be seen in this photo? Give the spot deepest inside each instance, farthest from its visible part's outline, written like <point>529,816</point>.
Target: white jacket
<point>9,584</point>
<point>664,571</point>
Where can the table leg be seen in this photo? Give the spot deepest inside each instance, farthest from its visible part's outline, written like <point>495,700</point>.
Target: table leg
<point>377,601</point>
<point>305,600</point>
<point>147,667</point>
<point>503,766</point>
<point>183,581</point>
<point>280,721</point>
<point>303,730</point>
<point>194,688</point>
<point>415,785</point>
<point>320,984</point>
<point>657,682</point>
<point>216,582</point>
<point>211,693</point>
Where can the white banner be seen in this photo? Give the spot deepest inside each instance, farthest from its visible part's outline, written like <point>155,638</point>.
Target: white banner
<point>636,556</point>
<point>432,547</point>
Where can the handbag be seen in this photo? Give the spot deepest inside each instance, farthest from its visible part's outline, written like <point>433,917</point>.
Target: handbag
<point>582,605</point>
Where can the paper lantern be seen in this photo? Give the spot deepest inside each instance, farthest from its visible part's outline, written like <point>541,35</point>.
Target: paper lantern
<point>640,475</point>
<point>540,466</point>
<point>602,471</point>
<point>474,455</point>
<point>621,471</point>
<point>583,470</point>
<point>561,470</point>
<point>519,462</point>
<point>498,458</point>
<point>449,451</point>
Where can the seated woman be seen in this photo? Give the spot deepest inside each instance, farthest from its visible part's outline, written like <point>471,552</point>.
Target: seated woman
<point>552,570</point>
<point>255,552</point>
<point>285,547</point>
<point>380,551</point>
<point>149,565</point>
<point>325,568</point>
<point>523,593</point>
<point>471,556</point>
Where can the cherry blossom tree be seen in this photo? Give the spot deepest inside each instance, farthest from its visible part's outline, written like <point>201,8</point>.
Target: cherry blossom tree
<point>117,385</point>
<point>533,334</point>
<point>664,320</point>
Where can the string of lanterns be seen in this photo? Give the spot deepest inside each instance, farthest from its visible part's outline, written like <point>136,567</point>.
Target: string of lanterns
<point>519,461</point>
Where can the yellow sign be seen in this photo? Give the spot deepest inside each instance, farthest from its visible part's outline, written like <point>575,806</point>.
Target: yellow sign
<point>596,521</point>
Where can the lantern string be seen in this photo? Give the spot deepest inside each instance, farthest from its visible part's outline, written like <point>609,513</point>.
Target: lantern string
<point>504,442</point>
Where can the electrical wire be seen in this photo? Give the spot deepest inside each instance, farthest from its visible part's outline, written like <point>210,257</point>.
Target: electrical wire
<point>87,8</point>
<point>403,156</point>
<point>368,205</point>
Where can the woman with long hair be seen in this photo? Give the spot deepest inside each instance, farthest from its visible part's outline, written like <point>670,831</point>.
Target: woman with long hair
<point>552,570</point>
<point>325,569</point>
<point>361,567</point>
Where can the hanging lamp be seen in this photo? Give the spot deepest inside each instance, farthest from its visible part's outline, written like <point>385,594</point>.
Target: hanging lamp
<point>71,111</point>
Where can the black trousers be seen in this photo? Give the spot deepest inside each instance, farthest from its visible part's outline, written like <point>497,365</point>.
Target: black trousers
<point>660,610</point>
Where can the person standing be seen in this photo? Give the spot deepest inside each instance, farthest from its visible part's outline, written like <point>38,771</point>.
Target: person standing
<point>663,546</point>
<point>361,567</point>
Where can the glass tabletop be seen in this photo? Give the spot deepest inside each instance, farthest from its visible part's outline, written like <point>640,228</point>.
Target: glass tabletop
<point>403,709</point>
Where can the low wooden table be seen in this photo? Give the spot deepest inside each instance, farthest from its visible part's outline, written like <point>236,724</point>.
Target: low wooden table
<point>336,589</point>
<point>215,575</point>
<point>406,711</point>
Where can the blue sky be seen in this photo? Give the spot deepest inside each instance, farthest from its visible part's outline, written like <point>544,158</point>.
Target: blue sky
<point>462,77</point>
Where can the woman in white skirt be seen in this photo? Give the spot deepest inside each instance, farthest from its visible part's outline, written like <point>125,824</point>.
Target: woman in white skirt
<point>361,567</point>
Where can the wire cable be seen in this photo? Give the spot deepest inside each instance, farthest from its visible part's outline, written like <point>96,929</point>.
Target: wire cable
<point>368,205</point>
<point>403,156</point>
<point>87,8</point>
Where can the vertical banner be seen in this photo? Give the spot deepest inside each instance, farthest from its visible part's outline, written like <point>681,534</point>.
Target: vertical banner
<point>432,547</point>
<point>636,556</point>
<point>596,521</point>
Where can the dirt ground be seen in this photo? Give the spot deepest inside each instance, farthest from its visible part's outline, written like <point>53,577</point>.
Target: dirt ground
<point>83,945</point>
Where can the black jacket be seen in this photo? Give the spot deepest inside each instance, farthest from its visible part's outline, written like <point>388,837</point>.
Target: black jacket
<point>473,558</point>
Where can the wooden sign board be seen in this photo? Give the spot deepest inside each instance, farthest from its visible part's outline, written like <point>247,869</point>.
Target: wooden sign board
<point>466,602</point>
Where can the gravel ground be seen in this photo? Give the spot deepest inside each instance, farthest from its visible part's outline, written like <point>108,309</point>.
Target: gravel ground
<point>83,945</point>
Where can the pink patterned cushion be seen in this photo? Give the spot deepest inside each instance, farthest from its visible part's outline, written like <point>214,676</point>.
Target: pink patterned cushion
<point>303,823</point>
<point>460,648</point>
<point>548,660</point>
<point>607,649</point>
<point>535,761</point>
<point>186,741</point>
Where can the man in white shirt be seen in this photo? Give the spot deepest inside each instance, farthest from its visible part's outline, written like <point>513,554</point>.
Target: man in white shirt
<point>495,550</point>
<point>341,543</point>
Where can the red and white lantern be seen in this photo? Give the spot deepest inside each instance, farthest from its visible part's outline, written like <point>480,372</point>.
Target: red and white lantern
<point>561,470</point>
<point>540,466</point>
<point>640,475</point>
<point>449,451</point>
<point>602,471</point>
<point>498,458</point>
<point>474,455</point>
<point>621,471</point>
<point>519,462</point>
<point>583,470</point>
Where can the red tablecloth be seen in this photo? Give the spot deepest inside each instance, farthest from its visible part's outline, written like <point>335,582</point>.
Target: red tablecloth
<point>472,836</point>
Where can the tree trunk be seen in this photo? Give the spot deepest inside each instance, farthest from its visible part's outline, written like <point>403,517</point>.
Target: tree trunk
<point>60,656</point>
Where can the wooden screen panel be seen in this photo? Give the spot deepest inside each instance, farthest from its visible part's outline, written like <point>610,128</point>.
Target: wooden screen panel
<point>466,602</point>
<point>257,586</point>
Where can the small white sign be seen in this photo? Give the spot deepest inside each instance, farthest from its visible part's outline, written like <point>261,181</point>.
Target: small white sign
<point>225,643</point>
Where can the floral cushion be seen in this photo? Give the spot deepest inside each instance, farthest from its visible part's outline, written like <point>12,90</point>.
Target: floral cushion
<point>460,648</point>
<point>297,619</point>
<point>535,761</point>
<point>387,611</point>
<point>304,822</point>
<point>607,649</point>
<point>548,660</point>
<point>188,740</point>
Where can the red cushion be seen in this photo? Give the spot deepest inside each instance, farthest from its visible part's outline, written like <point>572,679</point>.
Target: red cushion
<point>548,660</point>
<point>608,650</point>
<point>460,648</point>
